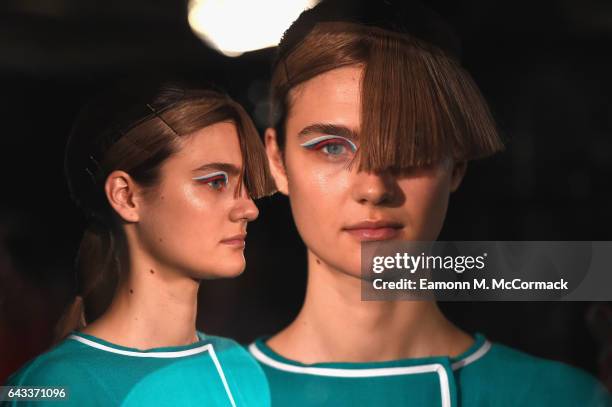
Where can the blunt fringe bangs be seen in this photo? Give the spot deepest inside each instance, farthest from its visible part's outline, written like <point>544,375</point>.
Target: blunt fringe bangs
<point>188,116</point>
<point>419,106</point>
<point>212,110</point>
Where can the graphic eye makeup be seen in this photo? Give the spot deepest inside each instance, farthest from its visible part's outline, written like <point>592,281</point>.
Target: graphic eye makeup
<point>333,146</point>
<point>217,180</point>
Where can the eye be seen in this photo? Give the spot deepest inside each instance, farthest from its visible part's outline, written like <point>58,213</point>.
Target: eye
<point>217,180</point>
<point>333,146</point>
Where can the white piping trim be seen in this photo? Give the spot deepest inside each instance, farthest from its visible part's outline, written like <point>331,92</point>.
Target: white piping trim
<point>473,357</point>
<point>372,372</point>
<point>175,354</point>
<point>213,356</point>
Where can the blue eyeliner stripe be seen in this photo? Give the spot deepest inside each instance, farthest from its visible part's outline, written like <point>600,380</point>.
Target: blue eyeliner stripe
<point>211,175</point>
<point>317,140</point>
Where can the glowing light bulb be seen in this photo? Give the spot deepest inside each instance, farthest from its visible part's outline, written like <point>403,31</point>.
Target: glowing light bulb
<point>237,26</point>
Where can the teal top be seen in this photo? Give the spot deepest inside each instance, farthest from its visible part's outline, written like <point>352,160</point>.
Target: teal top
<point>487,374</point>
<point>214,371</point>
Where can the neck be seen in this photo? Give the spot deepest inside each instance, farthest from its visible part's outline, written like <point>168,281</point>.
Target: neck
<point>335,325</point>
<point>152,307</point>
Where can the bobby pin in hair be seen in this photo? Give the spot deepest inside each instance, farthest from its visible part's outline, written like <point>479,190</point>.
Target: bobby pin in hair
<point>161,118</point>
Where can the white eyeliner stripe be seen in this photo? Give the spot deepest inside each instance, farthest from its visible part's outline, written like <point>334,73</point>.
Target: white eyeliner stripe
<point>177,354</point>
<point>316,140</point>
<point>371,372</point>
<point>473,357</point>
<point>214,174</point>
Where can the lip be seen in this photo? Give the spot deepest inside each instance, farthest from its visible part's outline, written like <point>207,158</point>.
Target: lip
<point>236,240</point>
<point>372,230</point>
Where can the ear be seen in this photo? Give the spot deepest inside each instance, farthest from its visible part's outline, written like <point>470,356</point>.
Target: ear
<point>458,172</point>
<point>275,158</point>
<point>121,192</point>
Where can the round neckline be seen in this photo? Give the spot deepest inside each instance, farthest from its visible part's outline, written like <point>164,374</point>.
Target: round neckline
<point>479,343</point>
<point>202,340</point>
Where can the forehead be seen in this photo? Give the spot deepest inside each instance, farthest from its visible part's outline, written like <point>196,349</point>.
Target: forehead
<point>215,143</point>
<point>332,97</point>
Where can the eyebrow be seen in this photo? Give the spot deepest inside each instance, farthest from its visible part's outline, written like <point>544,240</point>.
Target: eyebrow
<point>331,129</point>
<point>231,169</point>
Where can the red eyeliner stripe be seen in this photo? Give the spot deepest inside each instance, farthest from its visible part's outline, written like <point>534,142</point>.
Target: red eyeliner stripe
<point>326,142</point>
<point>215,178</point>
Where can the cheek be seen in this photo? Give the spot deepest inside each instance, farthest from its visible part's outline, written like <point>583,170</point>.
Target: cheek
<point>192,198</point>
<point>181,216</point>
<point>315,191</point>
<point>196,212</point>
<point>427,201</point>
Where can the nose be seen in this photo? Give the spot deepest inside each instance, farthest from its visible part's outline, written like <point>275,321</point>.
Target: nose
<point>373,188</point>
<point>244,208</point>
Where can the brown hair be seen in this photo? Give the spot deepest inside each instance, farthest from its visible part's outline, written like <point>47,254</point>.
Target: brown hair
<point>102,142</point>
<point>418,104</point>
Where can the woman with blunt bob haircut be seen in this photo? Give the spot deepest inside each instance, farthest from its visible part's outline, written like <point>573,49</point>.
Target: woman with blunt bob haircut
<point>166,175</point>
<point>373,122</point>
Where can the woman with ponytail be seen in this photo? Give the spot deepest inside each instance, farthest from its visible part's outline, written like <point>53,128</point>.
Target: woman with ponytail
<point>166,177</point>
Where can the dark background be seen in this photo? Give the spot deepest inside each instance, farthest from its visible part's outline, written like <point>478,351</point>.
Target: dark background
<point>544,66</point>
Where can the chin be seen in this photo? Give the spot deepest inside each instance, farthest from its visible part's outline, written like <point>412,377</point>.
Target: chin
<point>345,270</point>
<point>222,269</point>
<point>352,271</point>
<point>218,274</point>
<point>229,270</point>
<point>232,273</point>
<point>348,266</point>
